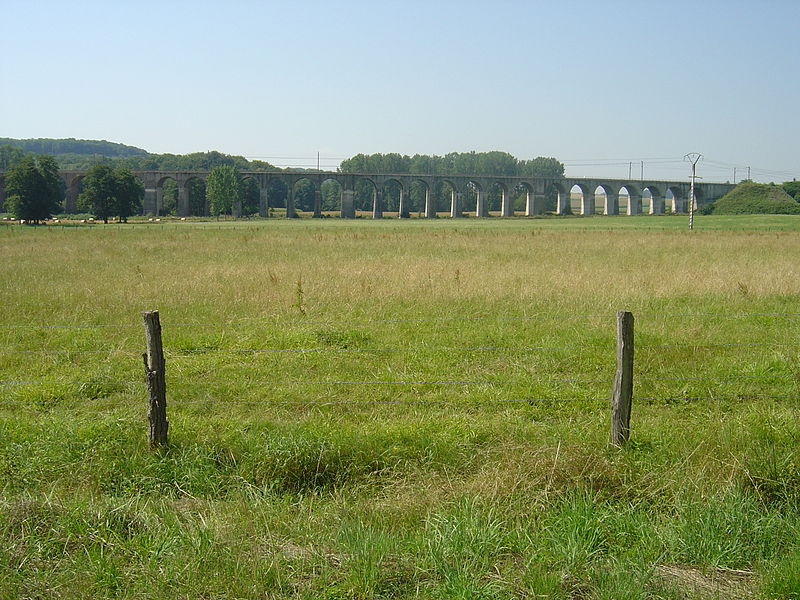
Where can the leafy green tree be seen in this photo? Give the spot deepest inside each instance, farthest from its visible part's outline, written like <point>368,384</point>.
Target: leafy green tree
<point>196,192</point>
<point>251,197</point>
<point>111,192</point>
<point>128,194</point>
<point>33,189</point>
<point>792,188</point>
<point>223,189</point>
<point>10,155</point>
<point>99,192</point>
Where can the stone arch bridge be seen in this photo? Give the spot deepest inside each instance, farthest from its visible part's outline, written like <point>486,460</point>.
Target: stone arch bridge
<point>676,193</point>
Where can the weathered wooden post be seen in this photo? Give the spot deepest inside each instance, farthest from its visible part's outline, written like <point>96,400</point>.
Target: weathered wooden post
<point>156,380</point>
<point>622,392</point>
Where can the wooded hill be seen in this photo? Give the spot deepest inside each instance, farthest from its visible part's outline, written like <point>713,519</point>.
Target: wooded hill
<point>83,154</point>
<point>750,198</point>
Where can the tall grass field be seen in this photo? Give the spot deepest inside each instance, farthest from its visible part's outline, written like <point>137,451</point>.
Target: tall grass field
<point>401,409</point>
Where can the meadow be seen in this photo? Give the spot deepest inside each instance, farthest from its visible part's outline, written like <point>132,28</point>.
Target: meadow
<point>402,409</point>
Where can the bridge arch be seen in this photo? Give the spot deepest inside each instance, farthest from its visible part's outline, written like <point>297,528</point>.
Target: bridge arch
<point>630,199</point>
<point>606,199</point>
<point>276,196</point>
<point>302,196</point>
<point>331,195</point>
<point>391,195</point>
<point>422,196</point>
<point>679,199</point>
<point>166,196</point>
<point>654,194</point>
<point>585,204</point>
<point>476,192</point>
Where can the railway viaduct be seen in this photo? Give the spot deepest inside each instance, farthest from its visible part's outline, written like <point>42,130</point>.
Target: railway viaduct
<point>662,193</point>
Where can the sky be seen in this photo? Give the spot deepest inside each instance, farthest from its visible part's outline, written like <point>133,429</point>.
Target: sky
<point>610,88</point>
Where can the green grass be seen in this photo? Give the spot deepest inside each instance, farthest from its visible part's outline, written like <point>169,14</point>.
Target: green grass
<point>462,478</point>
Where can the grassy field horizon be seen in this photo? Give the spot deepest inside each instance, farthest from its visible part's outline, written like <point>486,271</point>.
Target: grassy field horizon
<point>402,409</point>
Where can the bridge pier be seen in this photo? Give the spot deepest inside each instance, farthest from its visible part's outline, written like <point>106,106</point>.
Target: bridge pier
<point>291,213</point>
<point>263,202</point>
<point>183,200</point>
<point>71,197</point>
<point>377,204</point>
<point>153,201</point>
<point>402,209</point>
<point>634,204</point>
<point>507,207</point>
<point>534,204</point>
<point>455,205</point>
<point>612,203</point>
<point>430,209</point>
<point>587,202</point>
<point>317,202</point>
<point>563,203</point>
<point>348,204</point>
<point>481,210</point>
<point>657,205</point>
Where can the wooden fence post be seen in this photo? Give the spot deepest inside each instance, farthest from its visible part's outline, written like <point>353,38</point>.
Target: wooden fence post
<point>622,392</point>
<point>156,380</point>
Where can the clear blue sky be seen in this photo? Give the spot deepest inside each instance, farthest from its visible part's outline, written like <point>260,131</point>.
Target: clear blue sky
<point>596,84</point>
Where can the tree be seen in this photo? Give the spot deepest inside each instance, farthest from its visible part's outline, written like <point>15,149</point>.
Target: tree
<point>111,193</point>
<point>10,155</point>
<point>223,189</point>
<point>251,197</point>
<point>33,189</point>
<point>99,192</point>
<point>792,188</point>
<point>128,194</point>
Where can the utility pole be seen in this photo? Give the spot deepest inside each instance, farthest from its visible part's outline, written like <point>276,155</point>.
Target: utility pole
<point>734,175</point>
<point>630,168</point>
<point>642,170</point>
<point>692,157</point>
<point>748,173</point>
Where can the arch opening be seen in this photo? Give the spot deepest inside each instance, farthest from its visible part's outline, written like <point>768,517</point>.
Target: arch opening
<point>302,196</point>
<point>390,197</point>
<point>331,197</point>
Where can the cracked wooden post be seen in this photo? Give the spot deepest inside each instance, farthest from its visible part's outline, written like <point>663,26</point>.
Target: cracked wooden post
<point>622,392</point>
<point>156,380</point>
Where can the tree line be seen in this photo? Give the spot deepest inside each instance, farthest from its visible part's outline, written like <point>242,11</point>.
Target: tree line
<point>454,163</point>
